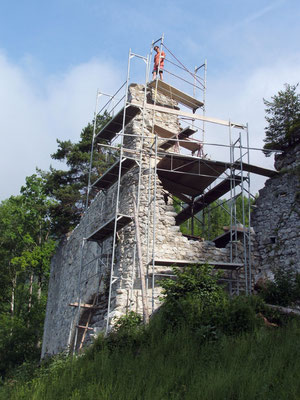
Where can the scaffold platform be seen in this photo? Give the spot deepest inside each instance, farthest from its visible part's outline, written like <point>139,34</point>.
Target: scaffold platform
<point>176,94</point>
<point>236,233</point>
<point>188,176</point>
<point>113,127</point>
<point>107,229</point>
<point>112,174</point>
<point>208,198</point>
<point>182,137</point>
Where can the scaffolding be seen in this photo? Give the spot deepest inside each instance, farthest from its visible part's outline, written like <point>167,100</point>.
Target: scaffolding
<point>178,162</point>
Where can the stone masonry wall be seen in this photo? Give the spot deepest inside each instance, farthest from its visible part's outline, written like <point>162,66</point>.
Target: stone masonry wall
<point>95,258</point>
<point>276,218</point>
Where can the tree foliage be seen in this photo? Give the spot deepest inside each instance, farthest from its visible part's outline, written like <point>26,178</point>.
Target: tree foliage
<point>50,204</point>
<point>26,247</point>
<point>69,187</point>
<point>283,117</point>
<point>209,223</point>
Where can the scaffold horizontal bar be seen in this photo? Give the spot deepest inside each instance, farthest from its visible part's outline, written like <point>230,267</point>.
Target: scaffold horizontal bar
<point>191,115</point>
<point>183,263</point>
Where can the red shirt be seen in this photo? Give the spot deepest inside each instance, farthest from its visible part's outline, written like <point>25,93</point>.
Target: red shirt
<point>162,56</point>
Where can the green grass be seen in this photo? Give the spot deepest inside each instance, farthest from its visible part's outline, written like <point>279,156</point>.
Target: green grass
<point>264,364</point>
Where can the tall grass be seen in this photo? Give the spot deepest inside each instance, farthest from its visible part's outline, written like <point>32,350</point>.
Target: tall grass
<point>264,364</point>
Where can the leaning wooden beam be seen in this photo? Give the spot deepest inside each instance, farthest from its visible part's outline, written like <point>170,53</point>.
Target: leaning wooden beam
<point>284,310</point>
<point>191,115</point>
<point>82,305</point>
<point>84,327</point>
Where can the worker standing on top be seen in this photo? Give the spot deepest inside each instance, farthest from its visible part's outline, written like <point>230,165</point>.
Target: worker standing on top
<point>159,60</point>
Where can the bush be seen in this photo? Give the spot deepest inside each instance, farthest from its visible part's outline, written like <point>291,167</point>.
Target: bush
<point>127,333</point>
<point>192,299</point>
<point>196,301</point>
<point>196,281</point>
<point>284,290</point>
<point>241,315</point>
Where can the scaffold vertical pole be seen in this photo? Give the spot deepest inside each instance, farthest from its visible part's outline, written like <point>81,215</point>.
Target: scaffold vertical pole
<point>111,281</point>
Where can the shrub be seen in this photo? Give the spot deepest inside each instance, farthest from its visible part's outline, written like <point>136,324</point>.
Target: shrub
<point>284,290</point>
<point>241,315</point>
<point>128,331</point>
<point>196,281</point>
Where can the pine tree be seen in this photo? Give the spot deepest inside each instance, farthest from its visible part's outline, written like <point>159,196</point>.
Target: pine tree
<point>283,117</point>
<point>69,187</point>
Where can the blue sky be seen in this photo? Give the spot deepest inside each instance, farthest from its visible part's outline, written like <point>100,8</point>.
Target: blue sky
<point>54,55</point>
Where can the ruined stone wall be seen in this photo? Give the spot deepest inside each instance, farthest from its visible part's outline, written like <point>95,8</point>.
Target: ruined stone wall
<point>276,218</point>
<point>169,243</point>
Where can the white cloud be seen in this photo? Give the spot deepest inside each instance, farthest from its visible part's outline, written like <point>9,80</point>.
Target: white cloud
<point>34,114</point>
<point>239,97</point>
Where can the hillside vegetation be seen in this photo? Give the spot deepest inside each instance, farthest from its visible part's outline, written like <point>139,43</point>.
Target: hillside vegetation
<point>200,345</point>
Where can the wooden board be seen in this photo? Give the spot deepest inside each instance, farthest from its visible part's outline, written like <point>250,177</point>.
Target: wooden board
<point>190,145</point>
<point>83,305</point>
<point>191,115</point>
<point>173,138</point>
<point>176,94</point>
<point>255,170</point>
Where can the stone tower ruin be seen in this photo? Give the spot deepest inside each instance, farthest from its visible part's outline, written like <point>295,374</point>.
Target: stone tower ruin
<point>129,237</point>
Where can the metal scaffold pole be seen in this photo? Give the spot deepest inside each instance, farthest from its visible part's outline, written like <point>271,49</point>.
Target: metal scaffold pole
<point>113,279</point>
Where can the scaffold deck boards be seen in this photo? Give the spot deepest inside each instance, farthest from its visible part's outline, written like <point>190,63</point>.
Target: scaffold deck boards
<point>183,263</point>
<point>166,133</point>
<point>111,175</point>
<point>188,175</point>
<point>227,237</point>
<point>190,145</point>
<point>109,131</point>
<point>208,198</point>
<point>183,137</point>
<point>176,94</point>
<point>107,229</point>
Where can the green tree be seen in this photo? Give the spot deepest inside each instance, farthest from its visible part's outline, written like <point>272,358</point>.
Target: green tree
<point>26,248</point>
<point>209,223</point>
<point>283,117</point>
<point>69,187</point>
